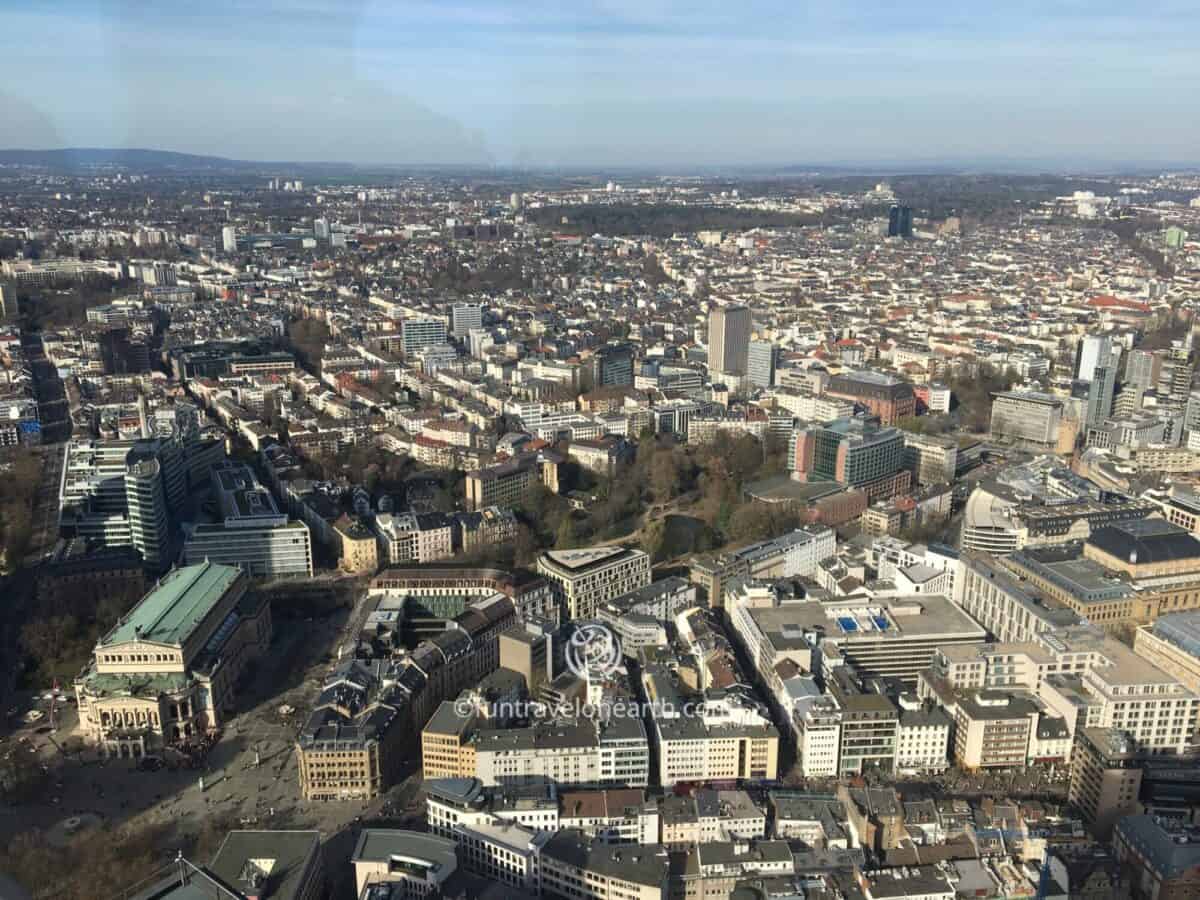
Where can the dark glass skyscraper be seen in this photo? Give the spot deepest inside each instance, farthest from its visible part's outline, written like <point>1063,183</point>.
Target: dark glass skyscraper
<point>900,222</point>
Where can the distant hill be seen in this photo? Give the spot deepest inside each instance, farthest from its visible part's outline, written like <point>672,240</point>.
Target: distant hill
<point>91,157</point>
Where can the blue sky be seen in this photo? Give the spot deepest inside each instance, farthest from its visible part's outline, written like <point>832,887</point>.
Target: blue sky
<point>611,82</point>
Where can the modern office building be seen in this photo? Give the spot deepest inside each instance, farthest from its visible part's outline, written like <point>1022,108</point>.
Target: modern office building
<point>464,317</point>
<point>215,358</point>
<point>610,366</point>
<point>229,240</point>
<point>1086,678</point>
<point>992,730</point>
<point>9,307</point>
<point>252,534</point>
<point>1032,506</point>
<point>882,638</point>
<point>760,364</point>
<point>416,864</point>
<point>586,579</point>
<point>868,724</point>
<point>1011,610</point>
<point>792,555</point>
<point>124,494</point>
<point>818,732</point>
<point>165,673</point>
<point>506,483</point>
<point>1092,351</point>
<point>419,333</point>
<point>1106,777</point>
<point>728,339</point>
<point>1027,416</point>
<point>1100,394</point>
<point>933,459</point>
<point>900,221</point>
<point>1141,369</point>
<point>856,452</point>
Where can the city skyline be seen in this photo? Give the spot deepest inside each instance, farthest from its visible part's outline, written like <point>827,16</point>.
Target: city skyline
<point>610,84</point>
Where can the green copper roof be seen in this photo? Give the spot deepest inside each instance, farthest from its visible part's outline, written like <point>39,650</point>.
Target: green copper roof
<point>178,603</point>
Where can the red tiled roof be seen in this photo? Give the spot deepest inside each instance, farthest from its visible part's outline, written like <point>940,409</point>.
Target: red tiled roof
<point>1109,301</point>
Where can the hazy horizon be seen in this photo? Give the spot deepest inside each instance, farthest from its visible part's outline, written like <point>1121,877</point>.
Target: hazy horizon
<point>609,83</point>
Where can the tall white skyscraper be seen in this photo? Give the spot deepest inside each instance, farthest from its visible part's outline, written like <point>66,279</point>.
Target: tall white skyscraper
<point>229,239</point>
<point>321,229</point>
<point>728,339</point>
<point>1093,350</point>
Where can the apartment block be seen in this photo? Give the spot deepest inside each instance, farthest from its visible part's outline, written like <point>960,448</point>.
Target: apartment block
<point>726,738</point>
<point>414,537</point>
<point>586,579</point>
<point>1106,777</point>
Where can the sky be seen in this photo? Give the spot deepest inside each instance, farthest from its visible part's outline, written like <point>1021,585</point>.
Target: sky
<point>658,83</point>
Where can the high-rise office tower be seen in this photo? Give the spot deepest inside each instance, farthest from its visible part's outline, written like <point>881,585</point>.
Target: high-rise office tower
<point>146,506</point>
<point>417,334</point>
<point>1175,376</point>
<point>1191,416</point>
<point>8,301</point>
<point>1092,351</point>
<point>760,364</point>
<point>321,229</point>
<point>229,239</point>
<point>1141,369</point>
<point>464,317</point>
<point>900,219</point>
<point>124,493</point>
<point>611,365</point>
<point>728,339</point>
<point>1100,393</point>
